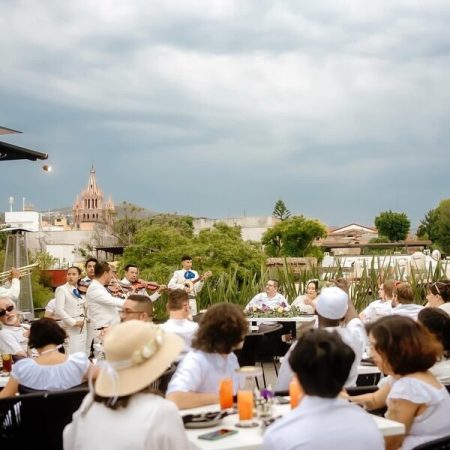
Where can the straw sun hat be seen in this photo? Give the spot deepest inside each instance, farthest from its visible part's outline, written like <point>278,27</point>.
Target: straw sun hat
<point>137,353</point>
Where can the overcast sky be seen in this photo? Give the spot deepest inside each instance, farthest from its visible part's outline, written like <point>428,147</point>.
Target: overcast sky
<point>219,108</point>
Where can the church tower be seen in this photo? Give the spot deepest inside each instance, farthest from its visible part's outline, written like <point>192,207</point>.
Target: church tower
<point>90,208</point>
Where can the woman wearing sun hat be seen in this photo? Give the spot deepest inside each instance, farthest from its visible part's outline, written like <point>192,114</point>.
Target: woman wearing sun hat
<point>124,412</point>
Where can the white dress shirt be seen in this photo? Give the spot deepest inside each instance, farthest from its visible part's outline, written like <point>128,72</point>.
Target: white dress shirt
<point>102,306</point>
<point>377,309</point>
<point>13,339</point>
<point>263,299</point>
<point>148,422</point>
<point>11,290</point>
<point>407,309</point>
<point>185,329</point>
<point>324,424</point>
<point>201,372</point>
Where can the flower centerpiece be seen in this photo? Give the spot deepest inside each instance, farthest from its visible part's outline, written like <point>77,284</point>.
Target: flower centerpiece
<point>264,400</point>
<point>282,310</point>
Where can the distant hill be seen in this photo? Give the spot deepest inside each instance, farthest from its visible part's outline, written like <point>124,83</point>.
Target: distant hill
<point>121,208</point>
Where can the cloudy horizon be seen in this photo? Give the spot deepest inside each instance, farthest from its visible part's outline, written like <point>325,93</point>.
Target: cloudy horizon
<point>219,109</point>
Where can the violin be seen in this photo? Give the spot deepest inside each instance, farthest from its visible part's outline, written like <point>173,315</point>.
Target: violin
<point>142,284</point>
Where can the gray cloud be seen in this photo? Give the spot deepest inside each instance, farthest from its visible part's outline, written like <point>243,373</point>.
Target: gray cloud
<point>340,108</point>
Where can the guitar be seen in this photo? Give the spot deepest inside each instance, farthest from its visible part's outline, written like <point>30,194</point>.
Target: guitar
<point>189,284</point>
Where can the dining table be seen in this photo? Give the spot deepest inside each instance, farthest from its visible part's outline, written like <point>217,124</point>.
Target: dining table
<point>252,438</point>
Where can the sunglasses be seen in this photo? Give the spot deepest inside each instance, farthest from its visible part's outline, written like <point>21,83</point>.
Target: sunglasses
<point>8,309</point>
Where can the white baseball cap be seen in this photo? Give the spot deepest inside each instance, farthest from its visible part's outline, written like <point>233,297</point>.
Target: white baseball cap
<point>332,303</point>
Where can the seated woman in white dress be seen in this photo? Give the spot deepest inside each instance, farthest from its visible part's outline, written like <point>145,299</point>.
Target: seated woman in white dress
<point>51,370</point>
<point>196,380</point>
<point>405,350</point>
<point>123,412</point>
<point>306,302</point>
<point>438,322</point>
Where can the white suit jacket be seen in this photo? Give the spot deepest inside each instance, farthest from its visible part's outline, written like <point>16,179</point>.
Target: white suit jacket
<point>102,306</point>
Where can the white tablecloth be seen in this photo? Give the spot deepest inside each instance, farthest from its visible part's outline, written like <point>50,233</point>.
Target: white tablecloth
<point>305,318</point>
<point>251,438</point>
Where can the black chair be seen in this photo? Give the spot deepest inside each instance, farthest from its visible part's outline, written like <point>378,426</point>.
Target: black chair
<point>36,421</point>
<point>369,379</point>
<point>447,386</point>
<point>163,381</point>
<point>437,444</point>
<point>261,346</point>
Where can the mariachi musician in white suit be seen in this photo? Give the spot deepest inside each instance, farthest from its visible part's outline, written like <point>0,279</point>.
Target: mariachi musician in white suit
<point>70,307</point>
<point>188,280</point>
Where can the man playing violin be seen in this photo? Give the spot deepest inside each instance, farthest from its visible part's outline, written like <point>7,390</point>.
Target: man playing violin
<point>138,286</point>
<point>188,280</point>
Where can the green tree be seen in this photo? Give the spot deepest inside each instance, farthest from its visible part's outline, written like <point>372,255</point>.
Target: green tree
<point>429,226</point>
<point>393,225</point>
<point>280,211</point>
<point>443,225</point>
<point>127,226</point>
<point>293,237</point>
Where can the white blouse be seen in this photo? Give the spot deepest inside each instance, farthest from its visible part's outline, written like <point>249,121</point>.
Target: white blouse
<point>57,377</point>
<point>201,372</point>
<point>299,303</point>
<point>434,422</point>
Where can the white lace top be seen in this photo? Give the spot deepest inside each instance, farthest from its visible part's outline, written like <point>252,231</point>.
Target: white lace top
<point>57,377</point>
<point>434,422</point>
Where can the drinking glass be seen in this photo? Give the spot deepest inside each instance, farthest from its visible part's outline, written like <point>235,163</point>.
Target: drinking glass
<point>245,408</point>
<point>294,393</point>
<point>7,362</point>
<point>226,393</point>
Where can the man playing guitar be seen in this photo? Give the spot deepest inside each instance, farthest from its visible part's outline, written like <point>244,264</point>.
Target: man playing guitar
<point>188,280</point>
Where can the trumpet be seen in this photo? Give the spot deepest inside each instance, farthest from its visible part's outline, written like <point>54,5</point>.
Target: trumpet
<point>25,270</point>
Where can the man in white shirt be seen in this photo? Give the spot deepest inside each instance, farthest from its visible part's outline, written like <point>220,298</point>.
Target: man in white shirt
<point>179,323</point>
<point>403,301</point>
<point>131,276</point>
<point>321,362</point>
<point>11,289</point>
<point>382,307</point>
<point>335,313</point>
<point>103,308</point>
<point>271,298</point>
<point>188,280</point>
<point>13,337</point>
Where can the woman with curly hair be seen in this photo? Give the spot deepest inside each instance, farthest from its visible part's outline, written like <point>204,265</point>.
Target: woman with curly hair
<point>196,380</point>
